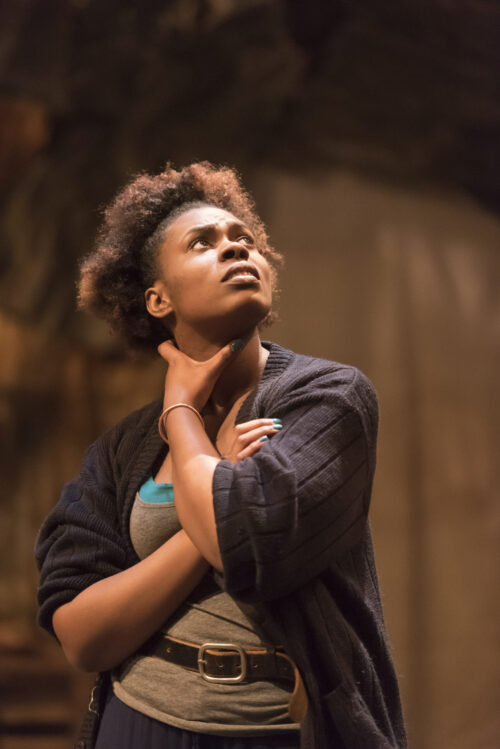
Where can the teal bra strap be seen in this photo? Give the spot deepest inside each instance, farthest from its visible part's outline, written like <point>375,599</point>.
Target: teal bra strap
<point>152,492</point>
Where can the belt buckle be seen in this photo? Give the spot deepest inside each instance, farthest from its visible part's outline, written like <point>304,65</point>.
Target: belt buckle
<point>222,646</point>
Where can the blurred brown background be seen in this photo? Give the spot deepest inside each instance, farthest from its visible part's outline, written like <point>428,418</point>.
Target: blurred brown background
<point>368,134</point>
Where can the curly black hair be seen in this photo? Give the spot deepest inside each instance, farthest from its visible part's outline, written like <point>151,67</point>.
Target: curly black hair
<point>114,277</point>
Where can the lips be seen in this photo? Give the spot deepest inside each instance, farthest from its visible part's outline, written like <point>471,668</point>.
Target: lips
<point>241,269</point>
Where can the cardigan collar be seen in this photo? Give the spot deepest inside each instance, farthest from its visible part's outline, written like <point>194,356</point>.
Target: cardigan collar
<point>278,360</point>
<point>151,447</point>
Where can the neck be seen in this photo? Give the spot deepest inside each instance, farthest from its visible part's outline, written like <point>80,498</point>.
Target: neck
<point>239,376</point>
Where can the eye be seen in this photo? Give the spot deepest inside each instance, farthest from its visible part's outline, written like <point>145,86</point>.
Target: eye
<point>199,243</point>
<point>246,238</point>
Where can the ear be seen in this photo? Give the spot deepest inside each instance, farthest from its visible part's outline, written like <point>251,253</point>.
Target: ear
<point>158,301</point>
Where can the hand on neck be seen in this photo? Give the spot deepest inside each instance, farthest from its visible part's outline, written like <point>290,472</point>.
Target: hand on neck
<point>241,374</point>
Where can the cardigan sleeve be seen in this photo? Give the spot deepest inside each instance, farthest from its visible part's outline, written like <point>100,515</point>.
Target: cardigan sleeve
<point>286,513</point>
<point>79,542</point>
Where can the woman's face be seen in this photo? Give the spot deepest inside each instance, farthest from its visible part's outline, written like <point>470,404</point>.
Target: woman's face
<point>212,278</point>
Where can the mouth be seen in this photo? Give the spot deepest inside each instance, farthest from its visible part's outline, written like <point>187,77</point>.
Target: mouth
<point>245,271</point>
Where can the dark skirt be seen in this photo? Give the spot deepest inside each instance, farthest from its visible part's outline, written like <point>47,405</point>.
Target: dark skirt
<point>124,728</point>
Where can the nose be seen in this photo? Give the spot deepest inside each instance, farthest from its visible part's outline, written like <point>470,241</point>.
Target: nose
<point>230,250</point>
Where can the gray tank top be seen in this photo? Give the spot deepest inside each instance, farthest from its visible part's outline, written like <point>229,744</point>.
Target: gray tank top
<point>178,696</point>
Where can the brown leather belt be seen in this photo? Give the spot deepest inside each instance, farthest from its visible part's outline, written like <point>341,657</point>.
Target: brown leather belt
<point>230,663</point>
<point>223,662</point>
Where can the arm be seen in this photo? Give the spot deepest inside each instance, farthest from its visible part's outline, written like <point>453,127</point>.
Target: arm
<point>88,591</point>
<point>194,459</point>
<point>109,620</point>
<point>301,503</point>
<point>276,520</point>
<point>100,611</point>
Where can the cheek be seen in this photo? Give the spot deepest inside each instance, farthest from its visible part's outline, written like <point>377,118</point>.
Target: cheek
<point>268,275</point>
<point>190,291</point>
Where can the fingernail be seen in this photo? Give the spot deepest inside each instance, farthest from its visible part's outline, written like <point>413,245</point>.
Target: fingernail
<point>277,426</point>
<point>237,344</point>
<point>277,421</point>
<point>262,439</point>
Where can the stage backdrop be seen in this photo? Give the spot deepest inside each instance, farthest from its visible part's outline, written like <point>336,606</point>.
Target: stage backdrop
<point>401,283</point>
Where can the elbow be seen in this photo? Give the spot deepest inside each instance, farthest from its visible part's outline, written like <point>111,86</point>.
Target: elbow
<point>217,564</point>
<point>81,653</point>
<point>80,660</point>
<point>88,659</point>
<point>213,557</point>
<point>208,547</point>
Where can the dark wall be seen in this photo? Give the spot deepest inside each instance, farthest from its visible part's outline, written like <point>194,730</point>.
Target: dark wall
<point>368,135</point>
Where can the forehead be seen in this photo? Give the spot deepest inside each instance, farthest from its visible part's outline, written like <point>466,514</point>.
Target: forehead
<point>200,216</point>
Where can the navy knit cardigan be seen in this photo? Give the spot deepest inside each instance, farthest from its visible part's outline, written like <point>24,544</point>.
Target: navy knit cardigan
<point>293,534</point>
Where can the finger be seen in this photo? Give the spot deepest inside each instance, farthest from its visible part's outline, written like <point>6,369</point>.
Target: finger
<point>168,351</point>
<point>250,450</point>
<point>219,360</point>
<point>247,426</point>
<point>263,431</point>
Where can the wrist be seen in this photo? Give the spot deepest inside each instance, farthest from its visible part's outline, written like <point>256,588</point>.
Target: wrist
<point>179,406</point>
<point>171,399</point>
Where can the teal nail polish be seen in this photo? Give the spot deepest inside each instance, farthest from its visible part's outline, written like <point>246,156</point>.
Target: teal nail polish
<point>277,426</point>
<point>237,344</point>
<point>277,421</point>
<point>262,439</point>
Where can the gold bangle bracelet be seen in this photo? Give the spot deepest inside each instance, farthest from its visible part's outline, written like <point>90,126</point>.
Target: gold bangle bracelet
<point>162,429</point>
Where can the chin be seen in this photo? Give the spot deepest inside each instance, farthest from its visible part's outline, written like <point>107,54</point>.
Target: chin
<point>232,320</point>
<point>252,313</point>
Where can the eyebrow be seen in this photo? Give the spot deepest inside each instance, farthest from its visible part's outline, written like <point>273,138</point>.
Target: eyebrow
<point>211,227</point>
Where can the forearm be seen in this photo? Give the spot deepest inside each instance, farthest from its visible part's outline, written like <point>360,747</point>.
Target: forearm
<point>194,459</point>
<point>109,620</point>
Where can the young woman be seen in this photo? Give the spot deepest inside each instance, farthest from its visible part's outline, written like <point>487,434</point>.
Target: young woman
<point>214,556</point>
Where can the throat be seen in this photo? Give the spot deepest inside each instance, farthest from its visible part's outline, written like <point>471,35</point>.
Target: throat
<point>239,378</point>
<point>221,418</point>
